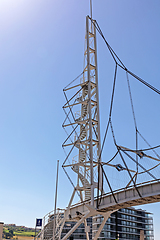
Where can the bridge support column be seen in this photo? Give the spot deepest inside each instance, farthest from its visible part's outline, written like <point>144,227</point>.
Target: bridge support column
<point>85,224</point>
<point>141,234</point>
<point>87,215</point>
<point>67,211</point>
<point>106,216</point>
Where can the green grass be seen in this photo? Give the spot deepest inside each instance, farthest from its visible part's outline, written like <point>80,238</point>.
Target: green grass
<point>26,234</point>
<point>19,231</point>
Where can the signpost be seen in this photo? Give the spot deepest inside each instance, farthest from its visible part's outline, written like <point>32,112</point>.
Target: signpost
<point>38,224</point>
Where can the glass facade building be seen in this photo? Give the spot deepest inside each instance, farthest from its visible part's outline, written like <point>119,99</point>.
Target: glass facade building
<point>124,224</point>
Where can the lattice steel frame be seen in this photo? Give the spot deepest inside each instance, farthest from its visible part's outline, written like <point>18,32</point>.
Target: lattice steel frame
<point>87,139</point>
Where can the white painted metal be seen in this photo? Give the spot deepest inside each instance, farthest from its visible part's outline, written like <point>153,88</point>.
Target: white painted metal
<point>91,8</point>
<point>88,145</point>
<point>150,193</point>
<point>98,110</point>
<point>67,212</point>
<point>125,198</point>
<point>76,225</point>
<point>90,115</point>
<point>88,139</point>
<point>87,229</point>
<point>106,216</point>
<point>55,205</point>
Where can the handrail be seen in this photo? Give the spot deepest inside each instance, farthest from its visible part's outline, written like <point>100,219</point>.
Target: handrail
<point>115,191</point>
<point>46,218</point>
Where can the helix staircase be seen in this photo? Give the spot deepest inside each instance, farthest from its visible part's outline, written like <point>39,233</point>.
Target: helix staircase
<point>84,181</point>
<point>82,153</point>
<point>83,135</point>
<point>83,132</point>
<point>48,230</point>
<point>48,225</point>
<point>84,110</point>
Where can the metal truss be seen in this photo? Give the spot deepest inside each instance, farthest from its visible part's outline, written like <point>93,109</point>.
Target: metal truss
<point>83,151</point>
<point>82,120</point>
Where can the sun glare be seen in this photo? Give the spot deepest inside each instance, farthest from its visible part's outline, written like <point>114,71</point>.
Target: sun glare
<point>11,10</point>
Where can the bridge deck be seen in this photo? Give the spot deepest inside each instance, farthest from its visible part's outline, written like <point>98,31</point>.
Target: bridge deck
<point>150,193</point>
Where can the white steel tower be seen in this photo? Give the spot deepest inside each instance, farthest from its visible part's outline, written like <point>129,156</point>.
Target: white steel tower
<point>83,117</point>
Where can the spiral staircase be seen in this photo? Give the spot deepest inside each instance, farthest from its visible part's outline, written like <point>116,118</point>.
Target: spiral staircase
<point>82,123</point>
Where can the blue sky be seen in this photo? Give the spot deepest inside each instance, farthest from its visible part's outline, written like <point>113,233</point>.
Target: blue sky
<point>41,51</point>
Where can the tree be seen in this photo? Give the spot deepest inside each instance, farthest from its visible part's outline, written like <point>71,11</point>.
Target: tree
<point>8,235</point>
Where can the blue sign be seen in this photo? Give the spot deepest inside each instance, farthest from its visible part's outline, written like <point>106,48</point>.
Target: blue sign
<point>39,222</point>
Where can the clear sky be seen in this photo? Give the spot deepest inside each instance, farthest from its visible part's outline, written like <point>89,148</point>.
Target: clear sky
<point>41,51</point>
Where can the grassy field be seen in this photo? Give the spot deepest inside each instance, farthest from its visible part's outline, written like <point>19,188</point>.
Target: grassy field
<point>26,234</point>
<point>23,238</point>
<point>15,232</point>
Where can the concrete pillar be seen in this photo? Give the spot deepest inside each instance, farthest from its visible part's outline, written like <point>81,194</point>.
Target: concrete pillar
<point>1,230</point>
<point>141,234</point>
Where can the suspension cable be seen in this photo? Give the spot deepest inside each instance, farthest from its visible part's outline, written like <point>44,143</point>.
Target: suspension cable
<point>139,164</point>
<point>141,150</point>
<point>107,127</point>
<point>110,112</point>
<point>131,100</point>
<point>134,118</point>
<point>144,82</point>
<point>151,148</point>
<point>114,56</point>
<point>119,63</point>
